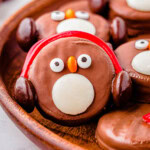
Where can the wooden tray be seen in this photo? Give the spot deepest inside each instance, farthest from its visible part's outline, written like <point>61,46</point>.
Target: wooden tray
<point>45,133</point>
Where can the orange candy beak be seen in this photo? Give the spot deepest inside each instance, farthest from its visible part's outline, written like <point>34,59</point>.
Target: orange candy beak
<point>72,64</point>
<point>69,14</point>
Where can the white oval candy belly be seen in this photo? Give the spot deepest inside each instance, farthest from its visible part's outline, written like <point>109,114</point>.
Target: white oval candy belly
<point>72,94</point>
<point>141,5</point>
<point>141,63</point>
<point>76,24</point>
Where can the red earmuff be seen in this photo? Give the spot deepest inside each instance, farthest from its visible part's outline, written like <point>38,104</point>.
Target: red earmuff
<point>35,49</point>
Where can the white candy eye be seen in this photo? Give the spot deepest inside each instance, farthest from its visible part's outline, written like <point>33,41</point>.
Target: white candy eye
<point>57,65</point>
<point>82,15</point>
<point>57,15</point>
<point>141,44</point>
<point>84,61</point>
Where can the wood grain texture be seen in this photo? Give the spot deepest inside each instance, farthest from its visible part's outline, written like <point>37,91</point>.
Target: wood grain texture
<point>43,132</point>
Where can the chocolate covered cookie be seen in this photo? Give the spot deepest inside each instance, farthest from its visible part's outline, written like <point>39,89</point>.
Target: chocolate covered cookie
<point>124,129</point>
<point>73,74</point>
<point>134,58</point>
<point>81,5</point>
<point>136,13</point>
<point>74,16</point>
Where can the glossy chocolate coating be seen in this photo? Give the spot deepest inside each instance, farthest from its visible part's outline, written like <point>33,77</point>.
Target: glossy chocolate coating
<point>124,129</point>
<point>118,31</point>
<point>41,75</point>
<point>122,88</point>
<point>97,6</point>
<point>26,34</point>
<point>25,94</point>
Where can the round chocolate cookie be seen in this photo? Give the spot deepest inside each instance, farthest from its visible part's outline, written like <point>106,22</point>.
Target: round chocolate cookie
<point>81,5</point>
<point>136,14</point>
<point>80,21</point>
<point>124,129</point>
<point>74,16</point>
<point>73,74</point>
<point>134,58</point>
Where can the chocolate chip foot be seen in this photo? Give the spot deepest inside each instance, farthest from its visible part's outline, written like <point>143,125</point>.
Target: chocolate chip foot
<point>122,89</point>
<point>26,34</point>
<point>25,94</point>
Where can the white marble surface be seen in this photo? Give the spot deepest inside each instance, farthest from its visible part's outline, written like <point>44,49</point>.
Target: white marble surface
<point>11,138</point>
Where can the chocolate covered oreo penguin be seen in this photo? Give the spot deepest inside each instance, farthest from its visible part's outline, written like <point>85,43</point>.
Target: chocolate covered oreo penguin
<point>48,24</point>
<point>72,75</point>
<point>134,58</point>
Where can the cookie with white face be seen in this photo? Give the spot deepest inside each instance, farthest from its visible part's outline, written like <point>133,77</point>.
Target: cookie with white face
<point>73,74</point>
<point>71,20</point>
<point>74,16</point>
<point>134,58</point>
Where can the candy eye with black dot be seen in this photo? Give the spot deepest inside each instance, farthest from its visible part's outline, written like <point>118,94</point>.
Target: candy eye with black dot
<point>57,65</point>
<point>84,61</point>
<point>82,15</point>
<point>141,44</point>
<point>57,15</point>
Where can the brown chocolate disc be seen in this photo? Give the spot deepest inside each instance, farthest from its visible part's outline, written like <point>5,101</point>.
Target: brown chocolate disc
<point>100,74</point>
<point>125,129</point>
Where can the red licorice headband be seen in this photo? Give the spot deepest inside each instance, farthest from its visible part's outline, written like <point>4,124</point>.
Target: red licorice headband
<point>35,49</point>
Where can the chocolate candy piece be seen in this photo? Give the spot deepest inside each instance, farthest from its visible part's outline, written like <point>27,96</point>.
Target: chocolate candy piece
<point>97,6</point>
<point>26,34</point>
<point>25,94</point>
<point>121,88</point>
<point>118,31</point>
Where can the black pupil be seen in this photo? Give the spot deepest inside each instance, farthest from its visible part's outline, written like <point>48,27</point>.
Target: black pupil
<point>82,12</point>
<point>84,59</point>
<point>56,63</point>
<point>57,12</point>
<point>142,42</point>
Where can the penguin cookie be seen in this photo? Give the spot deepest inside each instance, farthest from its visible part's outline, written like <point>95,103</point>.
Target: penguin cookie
<point>72,75</point>
<point>48,24</point>
<point>134,58</point>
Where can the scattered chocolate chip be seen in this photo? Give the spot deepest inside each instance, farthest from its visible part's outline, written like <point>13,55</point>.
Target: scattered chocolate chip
<point>118,31</point>
<point>26,34</point>
<point>122,89</point>
<point>98,6</point>
<point>25,94</point>
<point>84,59</point>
